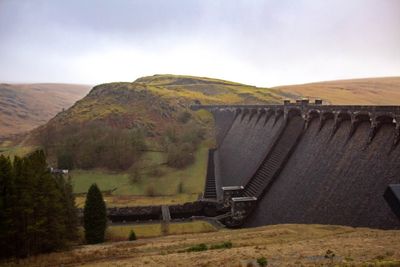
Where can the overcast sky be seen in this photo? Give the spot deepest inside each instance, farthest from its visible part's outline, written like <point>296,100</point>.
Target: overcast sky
<point>263,43</point>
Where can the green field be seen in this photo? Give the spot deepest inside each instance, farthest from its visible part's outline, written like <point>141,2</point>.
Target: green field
<point>121,232</point>
<point>165,185</point>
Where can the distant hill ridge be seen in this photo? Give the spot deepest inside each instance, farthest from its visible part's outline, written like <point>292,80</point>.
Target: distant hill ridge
<point>26,106</point>
<point>367,91</point>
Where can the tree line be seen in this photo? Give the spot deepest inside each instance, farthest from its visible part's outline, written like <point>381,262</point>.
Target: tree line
<point>98,145</point>
<point>93,145</point>
<point>37,209</point>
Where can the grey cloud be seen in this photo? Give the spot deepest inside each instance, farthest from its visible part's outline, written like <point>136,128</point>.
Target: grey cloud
<point>268,42</point>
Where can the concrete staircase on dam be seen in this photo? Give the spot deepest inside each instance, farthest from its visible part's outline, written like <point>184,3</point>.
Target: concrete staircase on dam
<point>275,159</point>
<point>210,191</point>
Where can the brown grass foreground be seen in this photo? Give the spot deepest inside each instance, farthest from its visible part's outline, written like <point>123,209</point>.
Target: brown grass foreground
<point>281,245</point>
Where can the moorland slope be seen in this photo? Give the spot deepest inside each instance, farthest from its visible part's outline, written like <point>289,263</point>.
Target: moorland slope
<point>367,91</point>
<point>26,106</point>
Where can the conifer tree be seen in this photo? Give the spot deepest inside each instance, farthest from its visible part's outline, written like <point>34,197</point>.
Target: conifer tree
<point>68,198</point>
<point>36,210</point>
<point>94,216</point>
<point>6,192</point>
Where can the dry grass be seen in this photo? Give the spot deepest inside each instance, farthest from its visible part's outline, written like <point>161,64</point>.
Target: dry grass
<point>369,91</point>
<point>281,245</point>
<point>26,106</point>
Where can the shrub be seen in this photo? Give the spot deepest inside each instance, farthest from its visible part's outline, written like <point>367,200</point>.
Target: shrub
<point>156,172</point>
<point>184,117</point>
<point>180,188</point>
<point>329,254</point>
<point>199,247</point>
<point>132,235</point>
<point>180,156</point>
<point>135,176</point>
<point>262,261</point>
<point>94,216</point>
<point>192,134</point>
<point>150,191</point>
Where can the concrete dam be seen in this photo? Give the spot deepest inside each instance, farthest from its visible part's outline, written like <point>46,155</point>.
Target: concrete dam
<point>305,163</point>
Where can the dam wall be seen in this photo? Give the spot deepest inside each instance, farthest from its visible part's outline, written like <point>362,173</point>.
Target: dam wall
<point>335,179</point>
<point>245,145</point>
<point>223,122</point>
<point>325,164</point>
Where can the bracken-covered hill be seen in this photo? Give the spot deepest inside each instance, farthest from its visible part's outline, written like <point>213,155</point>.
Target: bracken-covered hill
<point>155,102</point>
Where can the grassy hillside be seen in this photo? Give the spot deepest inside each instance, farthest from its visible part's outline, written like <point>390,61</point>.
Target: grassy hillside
<point>143,128</point>
<point>280,245</point>
<point>26,106</point>
<point>368,91</point>
<point>154,102</point>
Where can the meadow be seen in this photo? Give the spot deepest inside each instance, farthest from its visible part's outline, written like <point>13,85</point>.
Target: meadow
<point>168,185</point>
<point>121,232</point>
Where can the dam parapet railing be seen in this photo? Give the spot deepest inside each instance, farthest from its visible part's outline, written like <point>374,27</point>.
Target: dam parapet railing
<point>306,107</point>
<point>375,114</point>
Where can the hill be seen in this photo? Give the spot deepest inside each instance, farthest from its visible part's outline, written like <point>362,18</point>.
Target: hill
<point>26,106</point>
<point>368,91</point>
<point>280,245</point>
<point>153,109</point>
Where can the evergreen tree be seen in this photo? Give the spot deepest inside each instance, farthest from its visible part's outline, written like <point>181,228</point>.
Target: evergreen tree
<point>71,217</point>
<point>6,192</point>
<point>94,216</point>
<point>37,210</point>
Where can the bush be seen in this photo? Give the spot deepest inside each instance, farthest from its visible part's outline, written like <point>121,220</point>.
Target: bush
<point>184,117</point>
<point>156,172</point>
<point>135,176</point>
<point>199,247</point>
<point>94,216</point>
<point>262,261</point>
<point>150,191</point>
<point>180,188</point>
<point>132,236</point>
<point>180,156</point>
<point>329,254</point>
